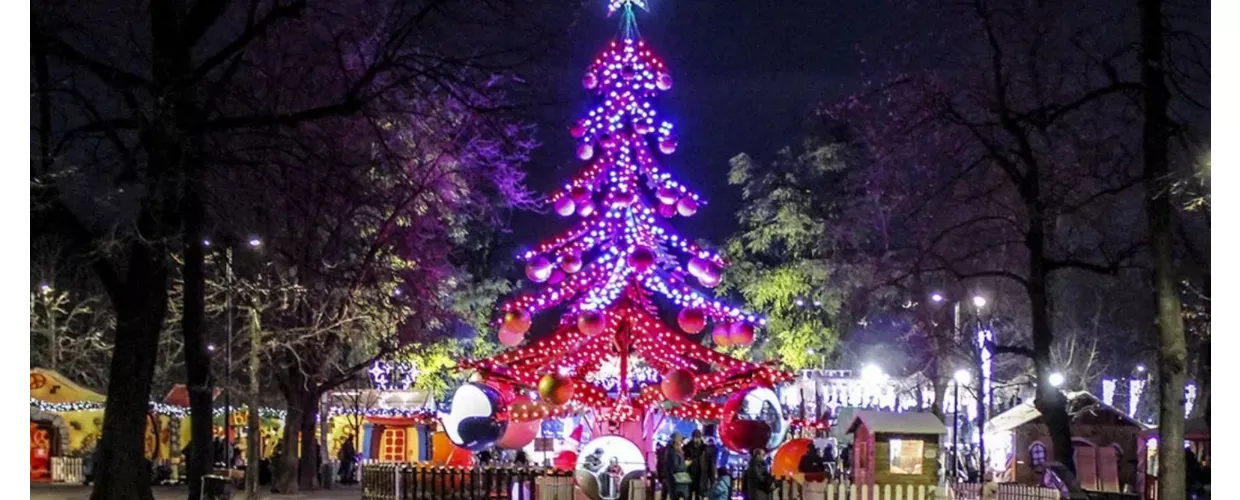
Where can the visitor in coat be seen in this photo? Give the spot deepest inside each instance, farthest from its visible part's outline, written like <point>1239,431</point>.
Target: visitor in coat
<point>700,460</point>
<point>677,480</point>
<point>348,459</point>
<point>723,486</point>
<point>89,465</point>
<point>759,483</point>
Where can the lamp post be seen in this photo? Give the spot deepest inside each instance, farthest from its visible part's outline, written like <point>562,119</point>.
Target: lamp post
<point>253,243</point>
<point>962,377</point>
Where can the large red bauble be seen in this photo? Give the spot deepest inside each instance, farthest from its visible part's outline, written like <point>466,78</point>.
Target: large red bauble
<point>742,333</point>
<point>744,435</point>
<point>667,211</point>
<point>787,459</point>
<point>510,338</point>
<point>565,206</point>
<point>580,195</point>
<point>687,206</point>
<point>691,320</point>
<point>667,195</point>
<point>566,460</point>
<point>585,151</point>
<point>585,209</point>
<point>592,322</point>
<point>538,269</point>
<point>722,334</point>
<point>518,434</point>
<point>517,322</point>
<point>642,259</point>
<point>555,389</point>
<point>571,263</point>
<point>697,265</point>
<point>679,385</point>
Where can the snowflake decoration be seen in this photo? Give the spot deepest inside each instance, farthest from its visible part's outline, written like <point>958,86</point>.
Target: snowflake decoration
<point>614,5</point>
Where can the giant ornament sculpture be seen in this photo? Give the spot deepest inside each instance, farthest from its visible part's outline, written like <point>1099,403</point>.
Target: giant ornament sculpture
<point>473,419</point>
<point>752,419</point>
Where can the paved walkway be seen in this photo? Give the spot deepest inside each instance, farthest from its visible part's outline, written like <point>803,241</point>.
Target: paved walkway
<point>79,492</point>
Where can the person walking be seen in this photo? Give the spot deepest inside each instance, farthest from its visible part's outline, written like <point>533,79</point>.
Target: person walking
<point>700,458</point>
<point>759,483</point>
<point>676,482</point>
<point>348,460</point>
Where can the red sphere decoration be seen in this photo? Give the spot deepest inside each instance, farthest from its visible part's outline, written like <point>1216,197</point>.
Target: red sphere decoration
<point>565,206</point>
<point>538,269</point>
<point>787,459</point>
<point>642,259</point>
<point>667,145</point>
<point>667,195</point>
<point>664,81</point>
<point>592,322</point>
<point>722,334</point>
<point>517,322</point>
<point>518,434</point>
<point>566,460</point>
<point>691,320</point>
<point>744,435</point>
<point>742,333</point>
<point>510,338</point>
<point>623,199</point>
<point>459,457</point>
<point>585,209</point>
<point>555,389</point>
<point>581,195</point>
<point>571,263</point>
<point>687,206</point>
<point>577,129</point>
<point>667,211</point>
<point>585,151</point>
<point>679,385</point>
<point>589,81</point>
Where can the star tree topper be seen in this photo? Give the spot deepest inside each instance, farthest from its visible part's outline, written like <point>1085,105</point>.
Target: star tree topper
<point>614,5</point>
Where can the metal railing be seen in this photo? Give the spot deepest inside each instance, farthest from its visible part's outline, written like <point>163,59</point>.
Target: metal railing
<point>391,481</point>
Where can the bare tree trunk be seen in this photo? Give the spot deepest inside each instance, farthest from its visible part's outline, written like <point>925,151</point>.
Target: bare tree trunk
<point>197,361</point>
<point>309,471</point>
<point>287,462</point>
<point>1172,349</point>
<point>254,428</point>
<point>1049,400</point>
<point>141,304</point>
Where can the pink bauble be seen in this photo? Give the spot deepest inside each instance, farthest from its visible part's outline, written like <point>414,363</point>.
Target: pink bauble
<point>679,385</point>
<point>709,281</point>
<point>585,151</point>
<point>571,263</point>
<point>667,211</point>
<point>643,127</point>
<point>592,322</point>
<point>711,271</point>
<point>589,81</point>
<point>510,338</point>
<point>664,81</point>
<point>519,434</point>
<point>691,320</point>
<point>667,195</point>
<point>687,206</point>
<point>538,269</point>
<point>585,209</point>
<point>722,334</point>
<point>667,145</point>
<point>578,129</point>
<point>697,266</point>
<point>517,322</point>
<point>623,199</point>
<point>556,277</point>
<point>607,141</point>
<point>565,206</point>
<point>744,435</point>
<point>741,333</point>
<point>642,259</point>
<point>580,195</point>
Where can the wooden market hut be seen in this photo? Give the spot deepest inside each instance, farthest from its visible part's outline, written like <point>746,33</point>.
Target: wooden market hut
<point>895,448</point>
<point>71,426</point>
<point>1104,438</point>
<point>1197,440</point>
<point>389,426</point>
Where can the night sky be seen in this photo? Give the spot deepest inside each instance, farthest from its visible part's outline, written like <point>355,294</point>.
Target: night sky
<point>747,76</point>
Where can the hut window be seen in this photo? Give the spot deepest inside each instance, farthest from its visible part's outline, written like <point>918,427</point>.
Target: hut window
<point>906,456</point>
<point>1037,454</point>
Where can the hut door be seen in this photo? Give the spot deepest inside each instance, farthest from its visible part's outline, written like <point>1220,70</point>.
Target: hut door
<point>1108,469</point>
<point>1086,466</point>
<point>392,445</point>
<point>41,437</point>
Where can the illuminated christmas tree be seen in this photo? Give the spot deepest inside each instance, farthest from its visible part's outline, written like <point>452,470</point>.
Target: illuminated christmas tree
<point>611,353</point>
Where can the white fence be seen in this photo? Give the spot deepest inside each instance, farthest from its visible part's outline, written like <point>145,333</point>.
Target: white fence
<point>825,491</point>
<point>67,470</point>
<point>554,488</point>
<point>1006,492</point>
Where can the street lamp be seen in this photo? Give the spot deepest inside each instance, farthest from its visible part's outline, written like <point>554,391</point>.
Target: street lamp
<point>872,373</point>
<point>1141,368</point>
<point>937,297</point>
<point>962,377</point>
<point>254,242</point>
<point>1056,379</point>
<point>979,301</point>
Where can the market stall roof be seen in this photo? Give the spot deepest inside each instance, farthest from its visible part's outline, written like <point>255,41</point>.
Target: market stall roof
<point>888,422</point>
<point>52,387</point>
<point>1078,402</point>
<point>179,395</point>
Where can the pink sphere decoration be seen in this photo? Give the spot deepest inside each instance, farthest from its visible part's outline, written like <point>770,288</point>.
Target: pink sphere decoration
<point>516,322</point>
<point>607,141</point>
<point>624,199</point>
<point>592,322</point>
<point>697,266</point>
<point>571,263</point>
<point>667,211</point>
<point>538,269</point>
<point>556,277</point>
<point>510,338</point>
<point>687,206</point>
<point>667,195</point>
<point>577,129</point>
<point>710,270</point>
<point>643,127</point>
<point>518,434</point>
<point>585,209</point>
<point>741,333</point>
<point>565,206</point>
<point>744,435</point>
<point>691,320</point>
<point>721,334</point>
<point>580,195</point>
<point>664,81</point>
<point>585,151</point>
<point>642,259</point>
<point>679,385</point>
<point>667,145</point>
<point>709,281</point>
<point>589,81</point>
